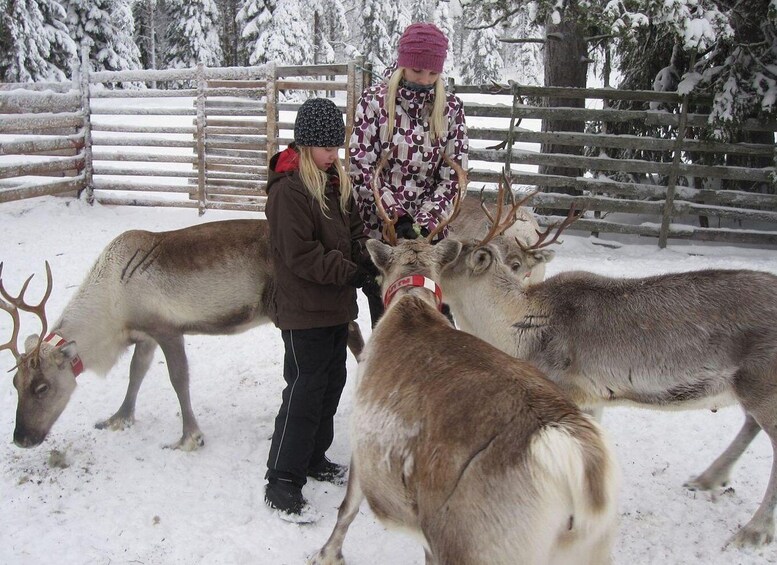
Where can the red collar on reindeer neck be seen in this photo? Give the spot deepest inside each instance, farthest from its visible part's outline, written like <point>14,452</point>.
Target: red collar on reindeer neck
<point>413,280</point>
<point>76,365</point>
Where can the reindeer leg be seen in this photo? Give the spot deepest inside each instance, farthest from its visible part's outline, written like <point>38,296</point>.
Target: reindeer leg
<point>178,367</point>
<point>332,552</point>
<point>355,339</point>
<point>141,361</point>
<point>760,529</point>
<point>717,474</point>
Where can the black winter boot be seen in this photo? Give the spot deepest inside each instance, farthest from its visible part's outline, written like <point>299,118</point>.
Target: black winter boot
<point>328,472</point>
<point>284,496</point>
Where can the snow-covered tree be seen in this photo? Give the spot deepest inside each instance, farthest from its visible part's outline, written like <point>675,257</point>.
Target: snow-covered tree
<point>192,34</point>
<point>420,10</point>
<point>229,33</point>
<point>107,29</point>
<point>150,23</point>
<point>382,28</point>
<point>443,19</point>
<point>483,61</point>
<point>286,39</point>
<point>254,18</point>
<point>330,28</point>
<point>34,41</point>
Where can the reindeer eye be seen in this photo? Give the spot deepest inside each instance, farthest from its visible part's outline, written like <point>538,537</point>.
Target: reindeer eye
<point>40,389</point>
<point>515,266</point>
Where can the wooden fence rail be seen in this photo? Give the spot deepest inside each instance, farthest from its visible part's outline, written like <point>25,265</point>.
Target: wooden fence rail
<point>642,163</point>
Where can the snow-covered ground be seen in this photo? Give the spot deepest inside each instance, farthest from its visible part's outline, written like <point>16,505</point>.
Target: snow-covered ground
<point>97,497</point>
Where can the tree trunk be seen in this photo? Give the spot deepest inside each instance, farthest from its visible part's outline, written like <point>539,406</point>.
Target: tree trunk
<point>566,64</point>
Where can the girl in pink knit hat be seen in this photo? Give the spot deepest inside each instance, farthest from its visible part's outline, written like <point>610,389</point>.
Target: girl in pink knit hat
<point>411,116</point>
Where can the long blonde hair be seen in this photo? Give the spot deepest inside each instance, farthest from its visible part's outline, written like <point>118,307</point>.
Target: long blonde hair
<point>315,179</point>
<point>437,125</point>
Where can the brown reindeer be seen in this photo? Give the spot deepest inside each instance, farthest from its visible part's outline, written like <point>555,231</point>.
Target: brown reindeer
<point>470,449</point>
<point>701,339</point>
<point>145,289</point>
<point>476,452</point>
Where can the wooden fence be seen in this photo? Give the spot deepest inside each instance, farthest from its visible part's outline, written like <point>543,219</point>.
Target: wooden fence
<point>207,142</point>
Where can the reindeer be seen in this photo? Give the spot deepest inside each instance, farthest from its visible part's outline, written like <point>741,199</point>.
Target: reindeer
<point>468,448</point>
<point>701,339</point>
<point>516,238</point>
<point>145,289</point>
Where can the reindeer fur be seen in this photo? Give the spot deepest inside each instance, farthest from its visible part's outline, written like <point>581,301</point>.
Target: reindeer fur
<point>473,451</point>
<point>701,339</point>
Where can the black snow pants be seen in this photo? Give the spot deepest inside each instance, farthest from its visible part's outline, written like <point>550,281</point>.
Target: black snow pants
<point>314,370</point>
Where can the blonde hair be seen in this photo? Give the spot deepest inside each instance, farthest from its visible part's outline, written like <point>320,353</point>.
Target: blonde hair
<point>315,179</point>
<point>437,125</point>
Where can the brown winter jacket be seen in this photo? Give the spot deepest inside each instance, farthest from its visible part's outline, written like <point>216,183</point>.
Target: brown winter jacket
<point>311,253</point>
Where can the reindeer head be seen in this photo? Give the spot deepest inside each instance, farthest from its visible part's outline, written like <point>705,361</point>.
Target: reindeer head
<point>517,237</point>
<point>412,257</point>
<point>44,378</point>
<point>398,260</point>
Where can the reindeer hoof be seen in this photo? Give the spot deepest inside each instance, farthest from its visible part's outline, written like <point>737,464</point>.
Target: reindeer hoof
<point>324,558</point>
<point>190,442</point>
<point>116,423</point>
<point>752,536</point>
<point>705,483</point>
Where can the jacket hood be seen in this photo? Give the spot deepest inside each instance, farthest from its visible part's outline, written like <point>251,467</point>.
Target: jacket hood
<point>282,164</point>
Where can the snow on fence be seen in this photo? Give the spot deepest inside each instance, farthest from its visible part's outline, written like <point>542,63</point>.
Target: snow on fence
<point>206,144</point>
<point>179,137</point>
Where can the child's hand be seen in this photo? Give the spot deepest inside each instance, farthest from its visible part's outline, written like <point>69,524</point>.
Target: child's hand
<point>406,229</point>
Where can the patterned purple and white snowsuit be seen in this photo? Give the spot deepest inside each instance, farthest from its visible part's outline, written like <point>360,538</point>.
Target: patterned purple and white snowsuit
<point>415,181</point>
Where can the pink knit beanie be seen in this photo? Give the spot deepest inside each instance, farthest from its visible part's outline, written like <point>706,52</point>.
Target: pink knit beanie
<point>422,46</point>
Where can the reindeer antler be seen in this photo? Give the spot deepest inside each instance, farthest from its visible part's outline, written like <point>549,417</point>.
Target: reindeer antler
<point>498,224</point>
<point>463,179</point>
<point>389,233</point>
<point>15,304</point>
<point>572,216</point>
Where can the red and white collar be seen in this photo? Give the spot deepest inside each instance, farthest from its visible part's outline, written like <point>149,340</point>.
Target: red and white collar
<point>413,280</point>
<point>76,365</point>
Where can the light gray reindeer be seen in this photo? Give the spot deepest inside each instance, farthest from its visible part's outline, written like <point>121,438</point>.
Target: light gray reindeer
<point>470,449</point>
<point>700,339</point>
<point>517,237</point>
<point>145,289</point>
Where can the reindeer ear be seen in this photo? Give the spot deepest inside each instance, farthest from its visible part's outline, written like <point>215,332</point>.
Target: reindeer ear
<point>380,253</point>
<point>30,343</point>
<point>480,260</point>
<point>65,353</point>
<point>448,250</point>
<point>543,255</point>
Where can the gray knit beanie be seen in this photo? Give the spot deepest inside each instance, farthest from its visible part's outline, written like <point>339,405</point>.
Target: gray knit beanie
<point>319,123</point>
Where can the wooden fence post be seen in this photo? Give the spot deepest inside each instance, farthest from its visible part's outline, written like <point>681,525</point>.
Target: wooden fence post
<point>671,183</point>
<point>272,114</point>
<point>86,108</point>
<point>355,88</point>
<point>201,86</point>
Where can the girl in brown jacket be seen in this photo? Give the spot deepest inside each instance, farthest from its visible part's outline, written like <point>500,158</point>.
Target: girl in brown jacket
<point>316,237</point>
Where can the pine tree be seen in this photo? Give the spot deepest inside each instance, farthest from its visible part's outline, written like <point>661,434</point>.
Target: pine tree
<point>106,28</point>
<point>254,18</point>
<point>192,34</point>
<point>382,28</point>
<point>330,27</point>
<point>443,19</point>
<point>484,63</point>
<point>148,24</point>
<point>229,33</point>
<point>34,41</point>
<point>420,10</point>
<point>285,38</point>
